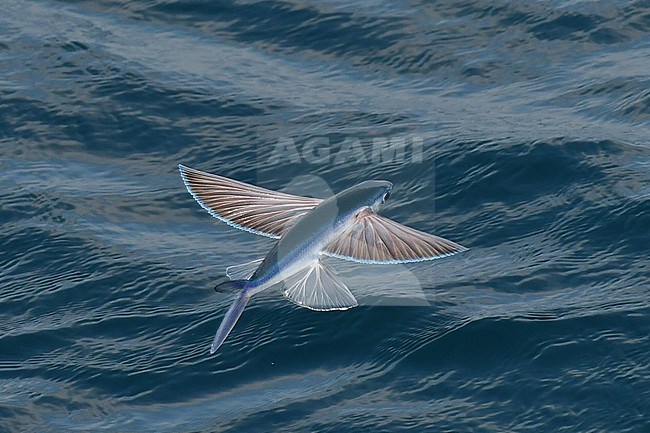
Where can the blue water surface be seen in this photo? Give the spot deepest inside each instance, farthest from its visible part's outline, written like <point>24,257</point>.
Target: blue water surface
<point>526,131</point>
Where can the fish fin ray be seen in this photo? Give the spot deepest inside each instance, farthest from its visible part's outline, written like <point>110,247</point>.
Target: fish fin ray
<point>319,288</point>
<point>375,239</point>
<point>243,271</point>
<point>247,207</point>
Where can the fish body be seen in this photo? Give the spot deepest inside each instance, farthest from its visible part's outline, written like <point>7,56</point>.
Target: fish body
<point>306,230</point>
<point>305,241</point>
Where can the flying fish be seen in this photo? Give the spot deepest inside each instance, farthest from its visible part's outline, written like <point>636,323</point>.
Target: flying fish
<point>306,230</point>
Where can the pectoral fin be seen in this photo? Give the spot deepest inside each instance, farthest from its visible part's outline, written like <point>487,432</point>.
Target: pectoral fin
<point>244,206</point>
<point>375,239</point>
<point>318,287</point>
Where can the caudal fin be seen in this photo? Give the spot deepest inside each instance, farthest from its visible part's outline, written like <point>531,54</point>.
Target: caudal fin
<point>230,286</point>
<point>232,315</point>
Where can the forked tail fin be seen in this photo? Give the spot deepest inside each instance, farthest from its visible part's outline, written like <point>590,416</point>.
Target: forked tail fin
<point>232,315</point>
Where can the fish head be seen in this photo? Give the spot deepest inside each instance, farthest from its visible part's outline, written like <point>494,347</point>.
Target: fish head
<point>373,193</point>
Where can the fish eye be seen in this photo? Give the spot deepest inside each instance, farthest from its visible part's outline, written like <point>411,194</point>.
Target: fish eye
<point>386,196</point>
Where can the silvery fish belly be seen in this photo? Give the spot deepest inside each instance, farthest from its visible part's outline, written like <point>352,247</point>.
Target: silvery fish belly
<point>305,230</point>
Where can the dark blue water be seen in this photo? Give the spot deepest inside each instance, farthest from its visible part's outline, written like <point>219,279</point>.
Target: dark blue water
<point>526,130</point>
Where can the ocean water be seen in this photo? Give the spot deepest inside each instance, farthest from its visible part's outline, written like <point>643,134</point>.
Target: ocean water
<point>526,131</point>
